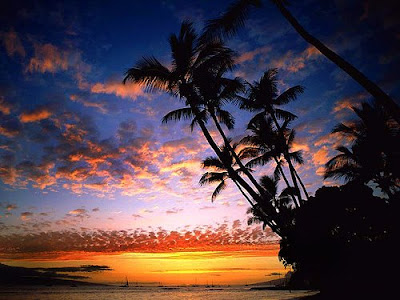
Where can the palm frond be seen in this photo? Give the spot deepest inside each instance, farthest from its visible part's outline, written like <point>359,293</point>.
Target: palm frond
<point>183,49</point>
<point>277,172</point>
<point>260,161</point>
<point>151,73</point>
<point>230,21</point>
<point>185,113</point>
<point>232,87</point>
<point>218,190</point>
<point>344,129</point>
<point>289,95</point>
<point>285,115</point>
<point>226,118</point>
<point>297,157</point>
<point>212,177</point>
<point>212,162</point>
<point>249,152</point>
<point>270,184</point>
<point>203,116</point>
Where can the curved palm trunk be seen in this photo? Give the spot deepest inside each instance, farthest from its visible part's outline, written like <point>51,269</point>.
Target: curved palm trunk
<point>277,229</point>
<point>270,215</point>
<point>302,185</point>
<point>284,178</point>
<point>243,193</point>
<point>237,159</point>
<point>367,84</point>
<point>291,168</point>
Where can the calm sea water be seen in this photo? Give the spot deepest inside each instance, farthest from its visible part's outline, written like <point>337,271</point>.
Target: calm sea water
<point>117,293</point>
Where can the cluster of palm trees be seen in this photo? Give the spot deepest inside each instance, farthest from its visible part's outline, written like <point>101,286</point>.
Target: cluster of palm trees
<point>374,154</point>
<point>199,77</point>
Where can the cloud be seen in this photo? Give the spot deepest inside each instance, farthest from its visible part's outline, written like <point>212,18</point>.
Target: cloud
<point>201,238</point>
<point>320,157</point>
<point>173,211</point>
<point>48,58</point>
<point>12,43</point>
<point>35,115</point>
<point>26,215</point>
<point>82,268</point>
<point>5,107</point>
<point>100,106</point>
<point>11,207</point>
<point>78,211</point>
<point>127,130</point>
<point>294,63</point>
<point>250,55</point>
<point>312,126</point>
<point>10,127</point>
<point>207,207</point>
<point>344,105</point>
<point>129,90</point>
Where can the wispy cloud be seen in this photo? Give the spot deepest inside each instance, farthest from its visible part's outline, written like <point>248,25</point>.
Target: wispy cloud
<point>129,90</point>
<point>35,115</point>
<point>12,43</point>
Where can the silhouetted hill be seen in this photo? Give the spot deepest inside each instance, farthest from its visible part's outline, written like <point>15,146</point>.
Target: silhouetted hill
<point>18,276</point>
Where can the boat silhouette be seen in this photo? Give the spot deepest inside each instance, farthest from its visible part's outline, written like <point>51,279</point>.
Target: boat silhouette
<point>126,284</point>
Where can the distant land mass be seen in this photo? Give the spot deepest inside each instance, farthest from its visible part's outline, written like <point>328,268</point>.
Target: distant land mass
<point>20,276</point>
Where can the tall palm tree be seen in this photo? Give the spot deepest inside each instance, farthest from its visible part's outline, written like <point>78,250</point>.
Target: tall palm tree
<point>263,95</point>
<point>191,58</point>
<point>216,91</point>
<point>236,15</point>
<point>264,144</point>
<point>373,154</point>
<point>222,173</point>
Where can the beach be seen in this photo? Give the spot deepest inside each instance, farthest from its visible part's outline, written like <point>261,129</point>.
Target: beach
<point>170,293</point>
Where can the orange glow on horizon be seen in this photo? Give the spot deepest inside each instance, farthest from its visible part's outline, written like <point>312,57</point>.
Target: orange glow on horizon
<point>171,268</point>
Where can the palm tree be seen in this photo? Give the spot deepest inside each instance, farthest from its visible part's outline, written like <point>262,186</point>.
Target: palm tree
<point>263,95</point>
<point>222,173</point>
<point>215,91</point>
<point>373,155</point>
<point>264,144</point>
<point>235,16</point>
<point>282,204</point>
<point>191,59</point>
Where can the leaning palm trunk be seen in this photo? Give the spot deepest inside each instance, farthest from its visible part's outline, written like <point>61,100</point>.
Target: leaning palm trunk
<point>367,84</point>
<point>302,185</point>
<point>270,213</point>
<point>276,229</point>
<point>284,178</point>
<point>287,157</point>
<point>237,159</point>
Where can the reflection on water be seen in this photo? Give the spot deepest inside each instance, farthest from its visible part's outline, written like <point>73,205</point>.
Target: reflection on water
<point>117,293</point>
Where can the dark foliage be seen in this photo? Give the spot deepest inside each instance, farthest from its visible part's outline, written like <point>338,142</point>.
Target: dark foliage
<point>339,240</point>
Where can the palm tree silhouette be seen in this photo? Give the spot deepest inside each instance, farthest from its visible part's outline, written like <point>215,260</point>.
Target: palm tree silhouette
<point>264,144</point>
<point>263,95</point>
<point>282,204</point>
<point>373,154</point>
<point>191,60</point>
<point>215,91</point>
<point>222,173</point>
<point>235,16</point>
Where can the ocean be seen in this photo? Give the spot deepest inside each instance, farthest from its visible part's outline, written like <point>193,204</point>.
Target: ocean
<point>162,293</point>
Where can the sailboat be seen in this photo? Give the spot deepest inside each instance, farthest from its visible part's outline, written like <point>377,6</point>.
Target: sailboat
<point>126,284</point>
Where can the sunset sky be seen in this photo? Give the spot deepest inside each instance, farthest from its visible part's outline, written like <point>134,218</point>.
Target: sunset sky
<point>89,175</point>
